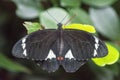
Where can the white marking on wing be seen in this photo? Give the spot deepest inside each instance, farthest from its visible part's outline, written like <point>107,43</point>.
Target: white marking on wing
<point>96,40</point>
<point>25,52</point>
<point>24,45</point>
<point>24,39</point>
<point>96,46</point>
<point>95,53</point>
<point>51,55</point>
<point>23,42</point>
<point>69,55</point>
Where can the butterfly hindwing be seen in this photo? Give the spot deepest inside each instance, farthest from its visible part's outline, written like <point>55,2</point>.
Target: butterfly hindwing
<point>72,65</point>
<point>50,65</point>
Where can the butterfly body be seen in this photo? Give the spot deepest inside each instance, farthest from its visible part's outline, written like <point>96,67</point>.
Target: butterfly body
<point>51,48</point>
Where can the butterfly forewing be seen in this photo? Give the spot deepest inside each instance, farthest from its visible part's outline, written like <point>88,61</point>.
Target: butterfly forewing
<point>84,44</point>
<point>17,50</point>
<point>36,45</point>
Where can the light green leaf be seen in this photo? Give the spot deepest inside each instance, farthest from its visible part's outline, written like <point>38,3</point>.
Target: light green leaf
<point>27,9</point>
<point>11,66</point>
<point>81,16</point>
<point>32,26</point>
<point>71,3</point>
<point>106,22</point>
<point>54,15</point>
<point>99,3</point>
<point>111,58</point>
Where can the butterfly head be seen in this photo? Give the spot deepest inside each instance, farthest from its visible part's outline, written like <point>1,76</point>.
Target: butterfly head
<point>59,25</point>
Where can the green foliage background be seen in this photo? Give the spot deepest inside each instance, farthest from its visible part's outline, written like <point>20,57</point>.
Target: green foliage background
<point>103,14</point>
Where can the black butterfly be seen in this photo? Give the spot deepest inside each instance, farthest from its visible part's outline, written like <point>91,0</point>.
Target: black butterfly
<point>51,48</point>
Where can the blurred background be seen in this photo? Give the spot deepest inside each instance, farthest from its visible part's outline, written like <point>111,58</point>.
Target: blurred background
<point>103,14</point>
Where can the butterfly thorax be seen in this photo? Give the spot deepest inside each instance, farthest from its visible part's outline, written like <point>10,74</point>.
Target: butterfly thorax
<point>59,26</point>
<point>60,43</point>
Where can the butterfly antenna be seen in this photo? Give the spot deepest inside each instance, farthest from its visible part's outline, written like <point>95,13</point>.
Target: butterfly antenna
<point>52,16</point>
<point>70,19</point>
<point>63,18</point>
<point>42,27</point>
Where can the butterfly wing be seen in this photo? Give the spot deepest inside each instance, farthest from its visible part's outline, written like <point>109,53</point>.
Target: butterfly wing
<point>81,47</point>
<point>84,45</point>
<point>72,65</point>
<point>49,65</point>
<point>35,45</point>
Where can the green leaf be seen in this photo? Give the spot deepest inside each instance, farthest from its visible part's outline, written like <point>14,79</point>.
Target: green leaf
<point>114,69</point>
<point>27,9</point>
<point>71,3</point>
<point>106,22</point>
<point>3,18</point>
<point>84,27</point>
<point>32,26</point>
<point>55,2</point>
<point>81,16</point>
<point>111,58</point>
<point>106,75</point>
<point>54,15</point>
<point>11,66</point>
<point>99,3</point>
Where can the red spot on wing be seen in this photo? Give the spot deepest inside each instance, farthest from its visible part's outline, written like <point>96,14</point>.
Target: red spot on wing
<point>60,58</point>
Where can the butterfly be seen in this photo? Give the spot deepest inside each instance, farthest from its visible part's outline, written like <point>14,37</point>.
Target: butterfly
<point>50,48</point>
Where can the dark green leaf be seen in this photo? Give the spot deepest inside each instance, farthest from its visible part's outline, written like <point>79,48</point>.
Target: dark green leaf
<point>2,41</point>
<point>10,65</point>
<point>106,22</point>
<point>53,16</point>
<point>99,3</point>
<point>101,73</point>
<point>114,69</point>
<point>71,3</point>
<point>81,16</point>
<point>3,18</point>
<point>55,2</point>
<point>106,75</point>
